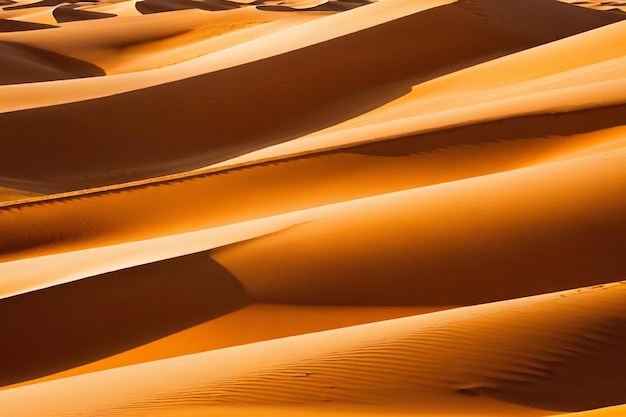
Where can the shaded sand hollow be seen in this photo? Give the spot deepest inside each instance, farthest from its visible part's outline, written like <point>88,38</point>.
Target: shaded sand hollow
<point>312,207</point>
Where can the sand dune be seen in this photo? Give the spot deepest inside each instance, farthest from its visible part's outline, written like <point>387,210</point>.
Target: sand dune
<point>25,64</point>
<point>69,325</point>
<point>7,25</point>
<point>217,333</point>
<point>603,412</point>
<point>328,88</point>
<point>421,359</point>
<point>180,205</point>
<point>73,14</point>
<point>312,207</point>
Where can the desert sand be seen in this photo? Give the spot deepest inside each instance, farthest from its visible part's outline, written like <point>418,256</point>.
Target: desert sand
<point>304,208</point>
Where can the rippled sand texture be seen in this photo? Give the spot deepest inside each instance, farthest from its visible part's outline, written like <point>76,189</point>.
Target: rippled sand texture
<point>305,208</point>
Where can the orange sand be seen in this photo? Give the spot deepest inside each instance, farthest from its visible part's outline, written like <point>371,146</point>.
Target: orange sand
<point>312,207</point>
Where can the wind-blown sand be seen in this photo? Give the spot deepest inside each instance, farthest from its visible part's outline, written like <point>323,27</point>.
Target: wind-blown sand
<point>299,208</point>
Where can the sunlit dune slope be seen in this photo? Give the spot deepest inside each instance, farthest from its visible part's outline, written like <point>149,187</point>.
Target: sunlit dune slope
<point>136,139</point>
<point>137,43</point>
<point>542,214</point>
<point>504,235</point>
<point>503,356</point>
<point>298,183</point>
<point>614,411</point>
<point>286,320</point>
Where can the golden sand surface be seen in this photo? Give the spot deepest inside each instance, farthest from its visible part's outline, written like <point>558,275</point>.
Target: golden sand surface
<point>305,208</point>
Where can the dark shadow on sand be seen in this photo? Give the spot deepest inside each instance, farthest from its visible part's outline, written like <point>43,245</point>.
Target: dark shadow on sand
<point>26,64</point>
<point>65,326</point>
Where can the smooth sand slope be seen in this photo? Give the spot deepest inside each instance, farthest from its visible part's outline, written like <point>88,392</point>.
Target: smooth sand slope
<point>220,332</point>
<point>302,208</point>
<point>536,352</point>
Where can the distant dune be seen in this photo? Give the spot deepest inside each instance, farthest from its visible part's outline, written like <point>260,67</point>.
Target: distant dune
<point>297,208</point>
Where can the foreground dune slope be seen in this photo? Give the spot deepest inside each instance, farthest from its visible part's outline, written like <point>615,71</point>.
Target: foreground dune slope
<point>555,352</point>
<point>216,333</point>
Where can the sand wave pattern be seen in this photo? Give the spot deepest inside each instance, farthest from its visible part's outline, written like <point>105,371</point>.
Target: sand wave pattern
<point>386,208</point>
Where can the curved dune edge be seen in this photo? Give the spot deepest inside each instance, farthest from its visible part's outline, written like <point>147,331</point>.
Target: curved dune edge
<point>191,195</point>
<point>486,224</point>
<point>614,411</point>
<point>64,326</point>
<point>22,276</point>
<point>287,320</point>
<point>420,361</point>
<point>326,29</point>
<point>599,91</point>
<point>24,64</point>
<point>539,203</point>
<point>273,44</point>
<point>140,43</point>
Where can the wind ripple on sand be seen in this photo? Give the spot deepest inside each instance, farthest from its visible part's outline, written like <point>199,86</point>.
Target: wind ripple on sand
<point>557,352</point>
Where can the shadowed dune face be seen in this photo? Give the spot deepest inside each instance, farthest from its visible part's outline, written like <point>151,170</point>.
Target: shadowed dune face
<point>25,64</point>
<point>71,14</point>
<point>327,6</point>
<point>7,25</point>
<point>46,3</point>
<point>68,325</point>
<point>160,6</point>
<point>308,96</point>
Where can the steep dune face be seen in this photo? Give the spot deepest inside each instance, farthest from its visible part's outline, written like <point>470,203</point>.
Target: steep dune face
<point>68,325</point>
<point>72,14</point>
<point>312,207</point>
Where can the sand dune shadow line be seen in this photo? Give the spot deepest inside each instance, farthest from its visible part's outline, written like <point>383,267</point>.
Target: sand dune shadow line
<point>61,327</point>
